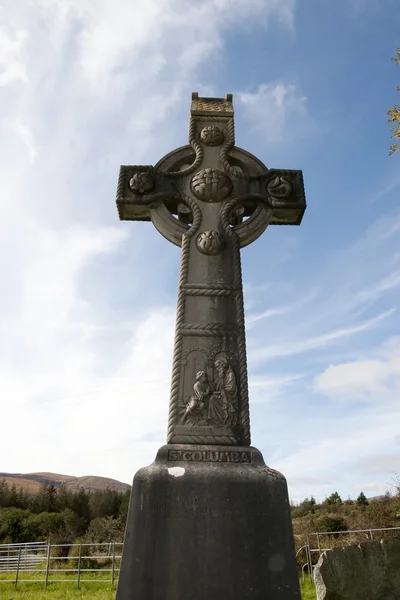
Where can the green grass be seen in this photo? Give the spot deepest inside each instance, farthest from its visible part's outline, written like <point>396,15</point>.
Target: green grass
<point>307,589</point>
<point>57,591</point>
<point>94,591</point>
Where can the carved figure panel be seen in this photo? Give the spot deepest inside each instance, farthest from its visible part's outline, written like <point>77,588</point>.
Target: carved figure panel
<point>215,400</point>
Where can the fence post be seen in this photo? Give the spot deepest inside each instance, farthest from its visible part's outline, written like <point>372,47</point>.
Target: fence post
<point>113,564</point>
<point>46,580</point>
<point>319,545</point>
<point>309,558</point>
<point>79,566</point>
<point>371,534</point>
<point>18,565</point>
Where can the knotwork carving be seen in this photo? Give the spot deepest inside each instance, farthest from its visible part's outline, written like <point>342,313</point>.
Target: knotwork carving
<point>280,188</point>
<point>210,242</point>
<point>211,185</point>
<point>211,135</point>
<point>142,183</point>
<point>214,402</point>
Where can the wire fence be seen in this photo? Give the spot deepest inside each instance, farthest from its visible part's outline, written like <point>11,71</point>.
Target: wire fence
<point>318,542</point>
<point>42,562</point>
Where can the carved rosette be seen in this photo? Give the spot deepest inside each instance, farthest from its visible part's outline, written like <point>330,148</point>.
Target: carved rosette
<point>211,135</point>
<point>280,187</point>
<point>142,183</point>
<point>211,185</point>
<point>210,242</point>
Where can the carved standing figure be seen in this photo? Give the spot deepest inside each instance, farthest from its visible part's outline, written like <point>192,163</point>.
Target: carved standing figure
<point>222,406</point>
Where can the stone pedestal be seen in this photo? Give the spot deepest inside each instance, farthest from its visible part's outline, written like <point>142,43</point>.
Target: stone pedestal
<point>208,523</point>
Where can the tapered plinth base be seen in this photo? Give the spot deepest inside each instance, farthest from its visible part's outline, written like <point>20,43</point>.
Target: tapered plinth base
<point>208,523</point>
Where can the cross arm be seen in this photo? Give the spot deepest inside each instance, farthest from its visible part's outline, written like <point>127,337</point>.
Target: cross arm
<point>145,193</point>
<point>139,188</point>
<point>286,196</point>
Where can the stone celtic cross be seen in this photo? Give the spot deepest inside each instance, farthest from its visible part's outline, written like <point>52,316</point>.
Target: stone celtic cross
<point>211,198</point>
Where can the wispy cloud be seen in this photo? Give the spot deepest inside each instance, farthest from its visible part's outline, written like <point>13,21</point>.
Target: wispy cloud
<point>275,110</point>
<point>299,346</point>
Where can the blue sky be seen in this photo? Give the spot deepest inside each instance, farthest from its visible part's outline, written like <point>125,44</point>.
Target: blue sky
<point>88,303</point>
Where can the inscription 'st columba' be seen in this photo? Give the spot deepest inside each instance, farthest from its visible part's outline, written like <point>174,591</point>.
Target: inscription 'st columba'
<point>211,198</point>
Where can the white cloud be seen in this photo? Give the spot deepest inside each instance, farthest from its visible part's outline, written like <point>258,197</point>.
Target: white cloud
<point>372,379</point>
<point>300,346</point>
<point>278,110</point>
<point>387,463</point>
<point>12,67</point>
<point>85,351</point>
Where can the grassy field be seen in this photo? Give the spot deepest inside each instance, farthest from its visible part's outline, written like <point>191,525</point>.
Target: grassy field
<point>307,589</point>
<point>94,591</point>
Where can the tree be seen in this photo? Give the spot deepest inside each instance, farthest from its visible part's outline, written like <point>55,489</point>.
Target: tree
<point>104,529</point>
<point>394,115</point>
<point>12,524</point>
<point>80,505</point>
<point>334,499</point>
<point>42,526</point>
<point>331,524</point>
<point>46,500</point>
<point>362,500</point>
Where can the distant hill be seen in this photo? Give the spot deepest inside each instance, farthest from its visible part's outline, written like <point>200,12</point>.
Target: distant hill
<point>31,482</point>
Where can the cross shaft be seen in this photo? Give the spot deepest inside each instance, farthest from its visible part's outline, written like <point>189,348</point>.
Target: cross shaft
<point>211,198</point>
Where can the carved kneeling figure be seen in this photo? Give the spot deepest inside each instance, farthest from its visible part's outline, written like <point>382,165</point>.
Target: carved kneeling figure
<point>195,404</point>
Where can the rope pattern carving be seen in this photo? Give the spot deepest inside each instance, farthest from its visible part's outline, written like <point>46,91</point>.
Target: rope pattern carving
<point>197,147</point>
<point>121,182</point>
<point>208,286</point>
<point>180,315</point>
<point>227,147</point>
<point>207,292</point>
<point>209,330</point>
<point>209,327</point>
<point>221,440</point>
<point>244,416</point>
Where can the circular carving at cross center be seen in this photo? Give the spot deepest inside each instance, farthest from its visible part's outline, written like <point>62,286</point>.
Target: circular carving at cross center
<point>211,185</point>
<point>211,135</point>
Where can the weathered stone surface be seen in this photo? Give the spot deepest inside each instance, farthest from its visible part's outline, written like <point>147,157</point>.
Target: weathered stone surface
<point>198,197</point>
<point>208,520</point>
<point>370,571</point>
<point>208,523</point>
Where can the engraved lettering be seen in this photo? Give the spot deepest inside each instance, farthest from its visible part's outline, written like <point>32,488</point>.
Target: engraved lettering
<point>235,457</point>
<point>213,456</point>
<point>223,456</point>
<point>246,457</point>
